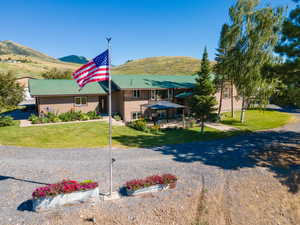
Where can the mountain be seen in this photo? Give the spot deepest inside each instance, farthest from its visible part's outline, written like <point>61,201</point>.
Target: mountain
<point>164,65</point>
<point>12,48</point>
<point>74,59</point>
<point>24,61</point>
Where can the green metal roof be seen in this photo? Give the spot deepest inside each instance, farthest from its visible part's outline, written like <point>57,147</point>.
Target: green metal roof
<point>39,87</point>
<point>183,95</point>
<point>153,81</point>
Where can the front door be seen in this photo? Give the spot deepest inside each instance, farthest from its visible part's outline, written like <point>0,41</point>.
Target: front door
<point>102,104</point>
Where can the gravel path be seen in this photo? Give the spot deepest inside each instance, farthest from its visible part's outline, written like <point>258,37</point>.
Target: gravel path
<point>23,169</point>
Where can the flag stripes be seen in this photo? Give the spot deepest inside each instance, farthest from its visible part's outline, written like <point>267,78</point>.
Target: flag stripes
<point>94,71</point>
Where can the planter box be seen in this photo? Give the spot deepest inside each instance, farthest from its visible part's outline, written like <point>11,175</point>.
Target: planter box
<point>154,188</point>
<point>47,203</point>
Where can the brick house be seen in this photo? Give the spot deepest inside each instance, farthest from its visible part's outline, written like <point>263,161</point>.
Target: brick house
<point>133,96</point>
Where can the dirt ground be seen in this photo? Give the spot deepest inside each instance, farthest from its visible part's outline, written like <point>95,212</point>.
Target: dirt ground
<point>256,198</point>
<point>244,180</point>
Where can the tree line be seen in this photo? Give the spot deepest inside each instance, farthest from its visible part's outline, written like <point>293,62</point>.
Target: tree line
<point>258,54</point>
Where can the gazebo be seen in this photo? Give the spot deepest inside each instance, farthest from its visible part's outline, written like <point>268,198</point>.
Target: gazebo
<point>165,110</point>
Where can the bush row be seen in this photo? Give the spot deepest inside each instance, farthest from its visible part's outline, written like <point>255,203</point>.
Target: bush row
<point>141,125</point>
<point>64,117</point>
<point>6,121</point>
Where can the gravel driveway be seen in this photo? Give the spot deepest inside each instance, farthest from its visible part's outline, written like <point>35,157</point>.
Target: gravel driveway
<point>23,169</point>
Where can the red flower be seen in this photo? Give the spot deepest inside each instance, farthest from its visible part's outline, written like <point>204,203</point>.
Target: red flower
<point>66,186</point>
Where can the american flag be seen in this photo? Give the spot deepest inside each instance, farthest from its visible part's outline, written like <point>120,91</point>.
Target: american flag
<point>95,70</point>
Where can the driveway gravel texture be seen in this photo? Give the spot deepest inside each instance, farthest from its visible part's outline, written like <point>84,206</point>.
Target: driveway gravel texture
<point>240,188</point>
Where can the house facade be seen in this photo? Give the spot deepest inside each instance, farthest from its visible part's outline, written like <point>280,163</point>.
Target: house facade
<point>133,96</point>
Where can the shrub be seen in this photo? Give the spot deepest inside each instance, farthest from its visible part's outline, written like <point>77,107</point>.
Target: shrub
<point>154,129</point>
<point>117,117</point>
<point>66,186</point>
<point>214,118</point>
<point>136,184</point>
<point>34,119</point>
<point>84,117</point>
<point>93,115</point>
<point>44,120</point>
<point>51,117</point>
<point>56,120</point>
<point>70,116</point>
<point>140,125</point>
<point>65,117</point>
<point>6,121</point>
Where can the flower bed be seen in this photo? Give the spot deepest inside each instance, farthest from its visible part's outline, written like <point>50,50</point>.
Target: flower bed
<point>151,184</point>
<point>64,117</point>
<point>65,192</point>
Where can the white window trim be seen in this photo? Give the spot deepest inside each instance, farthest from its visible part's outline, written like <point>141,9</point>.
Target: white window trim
<point>136,91</point>
<point>153,94</point>
<point>80,97</point>
<point>170,93</point>
<point>136,113</point>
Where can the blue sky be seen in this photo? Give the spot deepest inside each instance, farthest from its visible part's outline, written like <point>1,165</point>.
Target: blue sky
<point>139,28</point>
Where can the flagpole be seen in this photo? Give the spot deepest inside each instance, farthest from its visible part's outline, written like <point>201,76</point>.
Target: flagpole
<point>109,115</point>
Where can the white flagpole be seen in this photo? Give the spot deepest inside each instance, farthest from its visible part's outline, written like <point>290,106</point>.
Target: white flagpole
<point>109,115</point>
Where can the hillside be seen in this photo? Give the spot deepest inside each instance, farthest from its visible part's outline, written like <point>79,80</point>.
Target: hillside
<point>74,59</point>
<point>164,65</point>
<point>12,48</point>
<point>25,61</point>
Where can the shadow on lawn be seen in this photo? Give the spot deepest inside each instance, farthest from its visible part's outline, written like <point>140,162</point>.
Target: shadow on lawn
<point>279,151</point>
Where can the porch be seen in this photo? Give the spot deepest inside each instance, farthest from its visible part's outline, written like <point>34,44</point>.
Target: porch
<point>164,113</point>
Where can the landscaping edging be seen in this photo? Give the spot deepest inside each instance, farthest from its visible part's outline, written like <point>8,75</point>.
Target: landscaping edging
<point>27,123</point>
<point>46,203</point>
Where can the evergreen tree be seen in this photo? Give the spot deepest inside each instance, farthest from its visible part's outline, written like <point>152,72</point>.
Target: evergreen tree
<point>203,101</point>
<point>11,93</point>
<point>289,71</point>
<point>220,68</point>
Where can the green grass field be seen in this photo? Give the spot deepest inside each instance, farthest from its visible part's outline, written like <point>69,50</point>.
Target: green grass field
<point>95,134</point>
<point>257,120</point>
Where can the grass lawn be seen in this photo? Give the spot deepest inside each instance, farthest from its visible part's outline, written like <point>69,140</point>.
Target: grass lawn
<point>258,120</point>
<point>95,134</point>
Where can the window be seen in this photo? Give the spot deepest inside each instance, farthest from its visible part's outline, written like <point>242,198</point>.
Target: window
<point>136,93</point>
<point>226,92</point>
<point>80,101</point>
<point>136,115</point>
<point>170,93</point>
<point>153,94</point>
<point>159,94</point>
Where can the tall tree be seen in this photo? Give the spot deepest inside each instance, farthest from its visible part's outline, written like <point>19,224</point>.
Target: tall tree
<point>203,101</point>
<point>255,31</point>
<point>11,93</point>
<point>289,48</point>
<point>223,75</point>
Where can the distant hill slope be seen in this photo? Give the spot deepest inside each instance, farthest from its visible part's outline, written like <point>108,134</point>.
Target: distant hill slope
<point>74,59</point>
<point>25,61</point>
<point>12,48</point>
<point>164,65</point>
